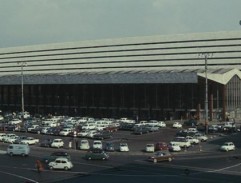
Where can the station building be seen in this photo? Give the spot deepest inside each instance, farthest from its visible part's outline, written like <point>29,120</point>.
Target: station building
<point>153,77</point>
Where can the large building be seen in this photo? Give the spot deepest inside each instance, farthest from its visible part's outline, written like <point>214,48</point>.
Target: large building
<point>154,77</point>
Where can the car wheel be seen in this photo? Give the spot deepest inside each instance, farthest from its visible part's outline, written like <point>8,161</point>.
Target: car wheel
<point>89,158</point>
<point>169,159</point>
<point>10,154</point>
<point>154,160</point>
<point>103,158</point>
<point>23,155</point>
<point>66,168</point>
<point>51,168</point>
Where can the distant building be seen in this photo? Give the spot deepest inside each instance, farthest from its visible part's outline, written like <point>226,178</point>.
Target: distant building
<point>154,77</point>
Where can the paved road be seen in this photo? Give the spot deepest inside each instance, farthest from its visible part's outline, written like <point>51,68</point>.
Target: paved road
<point>208,165</point>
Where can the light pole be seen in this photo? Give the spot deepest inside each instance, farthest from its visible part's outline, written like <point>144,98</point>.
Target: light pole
<point>206,56</point>
<point>22,64</point>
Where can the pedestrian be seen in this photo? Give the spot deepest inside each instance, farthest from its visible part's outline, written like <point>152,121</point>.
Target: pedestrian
<point>39,166</point>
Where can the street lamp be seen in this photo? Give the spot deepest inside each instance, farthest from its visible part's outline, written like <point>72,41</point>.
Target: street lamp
<point>206,56</point>
<point>22,64</point>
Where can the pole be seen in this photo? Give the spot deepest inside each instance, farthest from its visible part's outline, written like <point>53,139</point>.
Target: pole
<point>206,95</point>
<point>22,64</point>
<point>206,55</point>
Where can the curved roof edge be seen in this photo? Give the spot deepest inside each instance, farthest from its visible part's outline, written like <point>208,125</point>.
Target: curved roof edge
<point>222,78</point>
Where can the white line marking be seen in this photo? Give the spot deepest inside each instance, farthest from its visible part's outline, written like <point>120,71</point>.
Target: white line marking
<point>21,177</point>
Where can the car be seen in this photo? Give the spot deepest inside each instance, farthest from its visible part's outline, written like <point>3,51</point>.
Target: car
<point>201,137</point>
<point>150,148</point>
<point>152,128</point>
<point>96,154</point>
<point>160,146</point>
<point>123,147</point>
<point>109,146</point>
<point>140,130</point>
<point>65,131</point>
<point>83,133</point>
<point>161,156</point>
<point>181,141</point>
<point>162,124</point>
<point>61,163</point>
<point>97,144</point>
<point>53,156</point>
<point>57,143</point>
<point>18,149</point>
<point>177,125</point>
<point>227,146</point>
<point>30,141</point>
<point>84,145</point>
<point>103,135</point>
<point>46,143</point>
<point>173,147</point>
<point>192,140</point>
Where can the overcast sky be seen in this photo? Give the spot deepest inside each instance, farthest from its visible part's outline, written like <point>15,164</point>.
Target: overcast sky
<point>27,22</point>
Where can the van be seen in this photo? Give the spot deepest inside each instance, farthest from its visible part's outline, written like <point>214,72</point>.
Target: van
<point>18,149</point>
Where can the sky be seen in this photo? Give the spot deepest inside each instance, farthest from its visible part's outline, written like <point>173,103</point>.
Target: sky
<point>30,22</point>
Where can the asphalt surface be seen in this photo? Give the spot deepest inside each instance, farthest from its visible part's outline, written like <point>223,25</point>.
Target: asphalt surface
<point>204,163</point>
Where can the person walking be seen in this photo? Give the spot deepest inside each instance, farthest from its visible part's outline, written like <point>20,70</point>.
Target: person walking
<point>39,166</point>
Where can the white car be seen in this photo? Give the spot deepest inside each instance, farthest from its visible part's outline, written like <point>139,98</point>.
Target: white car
<point>65,131</point>
<point>177,125</point>
<point>91,133</point>
<point>150,148</point>
<point>15,121</point>
<point>97,144</point>
<point>57,143</point>
<point>162,124</point>
<point>84,145</point>
<point>61,163</point>
<point>228,146</point>
<point>201,137</point>
<point>83,133</point>
<point>124,147</point>
<point>192,140</point>
<point>30,141</point>
<point>174,147</point>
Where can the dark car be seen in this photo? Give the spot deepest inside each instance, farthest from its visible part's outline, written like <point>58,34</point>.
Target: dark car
<point>46,143</point>
<point>55,155</point>
<point>141,130</point>
<point>160,146</point>
<point>161,156</point>
<point>190,122</point>
<point>96,154</point>
<point>103,135</point>
<point>109,146</point>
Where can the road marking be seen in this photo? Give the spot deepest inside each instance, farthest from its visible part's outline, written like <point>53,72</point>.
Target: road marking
<point>218,170</point>
<point>19,176</point>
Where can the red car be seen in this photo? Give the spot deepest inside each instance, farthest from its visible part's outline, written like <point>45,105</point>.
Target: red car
<point>161,146</point>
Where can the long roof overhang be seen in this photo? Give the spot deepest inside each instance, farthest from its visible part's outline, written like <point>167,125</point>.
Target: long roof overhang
<point>221,76</point>
<point>124,77</point>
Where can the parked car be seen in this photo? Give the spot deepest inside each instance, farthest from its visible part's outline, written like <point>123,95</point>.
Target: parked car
<point>84,145</point>
<point>53,156</point>
<point>103,135</point>
<point>96,154</point>
<point>152,128</point>
<point>124,147</point>
<point>57,143</point>
<point>30,141</point>
<point>97,144</point>
<point>177,125</point>
<point>161,156</point>
<point>150,148</point>
<point>173,147</point>
<point>160,146</point>
<point>201,137</point>
<point>227,146</point>
<point>46,143</point>
<point>61,163</point>
<point>192,140</point>
<point>109,146</point>
<point>141,130</point>
<point>181,141</point>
